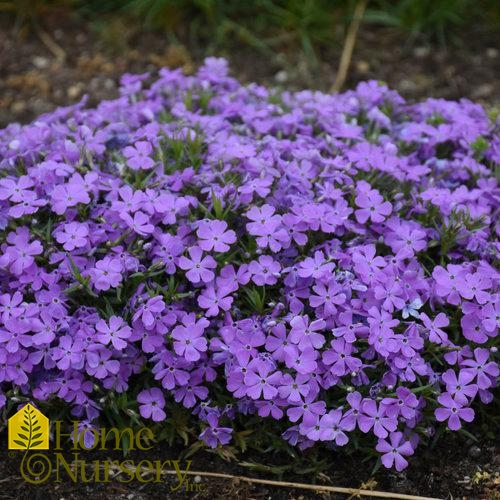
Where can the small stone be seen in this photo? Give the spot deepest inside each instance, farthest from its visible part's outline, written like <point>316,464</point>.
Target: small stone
<point>491,53</point>
<point>407,85</point>
<point>475,451</point>
<point>421,52</point>
<point>40,62</point>
<point>197,479</point>
<point>18,107</point>
<point>483,90</point>
<point>363,67</point>
<point>109,84</point>
<point>281,76</point>
<point>73,91</point>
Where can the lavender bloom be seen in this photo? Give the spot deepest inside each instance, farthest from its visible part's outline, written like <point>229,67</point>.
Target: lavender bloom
<point>375,416</point>
<point>189,340</point>
<point>115,332</point>
<point>453,411</point>
<point>214,235</point>
<point>301,257</point>
<point>394,451</point>
<point>198,268</point>
<point>138,156</point>
<point>151,403</point>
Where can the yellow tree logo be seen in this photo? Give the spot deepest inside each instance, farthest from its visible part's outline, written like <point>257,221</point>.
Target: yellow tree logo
<point>28,430</point>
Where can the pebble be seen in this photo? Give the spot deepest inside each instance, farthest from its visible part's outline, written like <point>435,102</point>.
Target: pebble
<point>197,479</point>
<point>109,84</point>
<point>421,52</point>
<point>483,90</point>
<point>491,53</point>
<point>475,451</point>
<point>18,107</point>
<point>74,91</point>
<point>407,85</point>
<point>281,76</point>
<point>40,62</point>
<point>363,67</point>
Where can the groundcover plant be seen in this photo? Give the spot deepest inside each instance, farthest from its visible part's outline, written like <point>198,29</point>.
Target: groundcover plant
<point>287,268</point>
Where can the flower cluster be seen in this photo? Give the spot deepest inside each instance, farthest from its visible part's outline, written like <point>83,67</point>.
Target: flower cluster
<point>324,262</point>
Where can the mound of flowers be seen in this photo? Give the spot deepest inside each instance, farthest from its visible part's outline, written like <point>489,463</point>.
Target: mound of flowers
<point>318,268</point>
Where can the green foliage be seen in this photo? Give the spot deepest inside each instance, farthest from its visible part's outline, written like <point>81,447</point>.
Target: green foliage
<point>428,17</point>
<point>271,27</point>
<point>459,223</point>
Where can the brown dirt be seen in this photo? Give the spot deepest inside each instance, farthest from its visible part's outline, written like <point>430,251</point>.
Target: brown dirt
<point>454,469</point>
<point>34,81</point>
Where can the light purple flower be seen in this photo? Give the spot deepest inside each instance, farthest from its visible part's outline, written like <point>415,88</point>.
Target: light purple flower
<point>394,451</point>
<point>151,404</point>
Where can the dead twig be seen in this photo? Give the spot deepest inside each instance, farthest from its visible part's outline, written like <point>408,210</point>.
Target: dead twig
<point>345,58</point>
<point>354,492</point>
<point>58,52</point>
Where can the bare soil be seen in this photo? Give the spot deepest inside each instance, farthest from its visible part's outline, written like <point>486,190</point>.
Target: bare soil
<point>40,70</point>
<point>454,469</point>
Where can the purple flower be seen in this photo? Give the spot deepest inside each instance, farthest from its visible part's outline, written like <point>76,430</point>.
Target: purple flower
<point>20,256</point>
<point>189,341</point>
<point>452,411</point>
<point>138,156</point>
<point>73,235</point>
<point>214,235</point>
<point>151,403</point>
<point>333,427</point>
<point>267,227</point>
<point>394,451</point>
<point>214,435</point>
<point>198,268</point>
<point>261,380</point>
<point>339,358</point>
<point>307,409</point>
<point>100,364</point>
<point>328,296</point>
<point>149,310</point>
<point>14,334</point>
<point>447,282</point>
<point>294,389</point>
<point>436,335</point>
<point>315,267</point>
<point>474,286</point>
<point>372,205</point>
<point>460,387</point>
<point>115,331</point>
<point>107,273</point>
<point>11,305</point>
<point>305,334</point>
<point>139,223</point>
<point>375,416</point>
<point>481,368</point>
<point>64,196</point>
<point>405,404</point>
<point>265,271</point>
<point>213,299</point>
<point>302,361</point>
